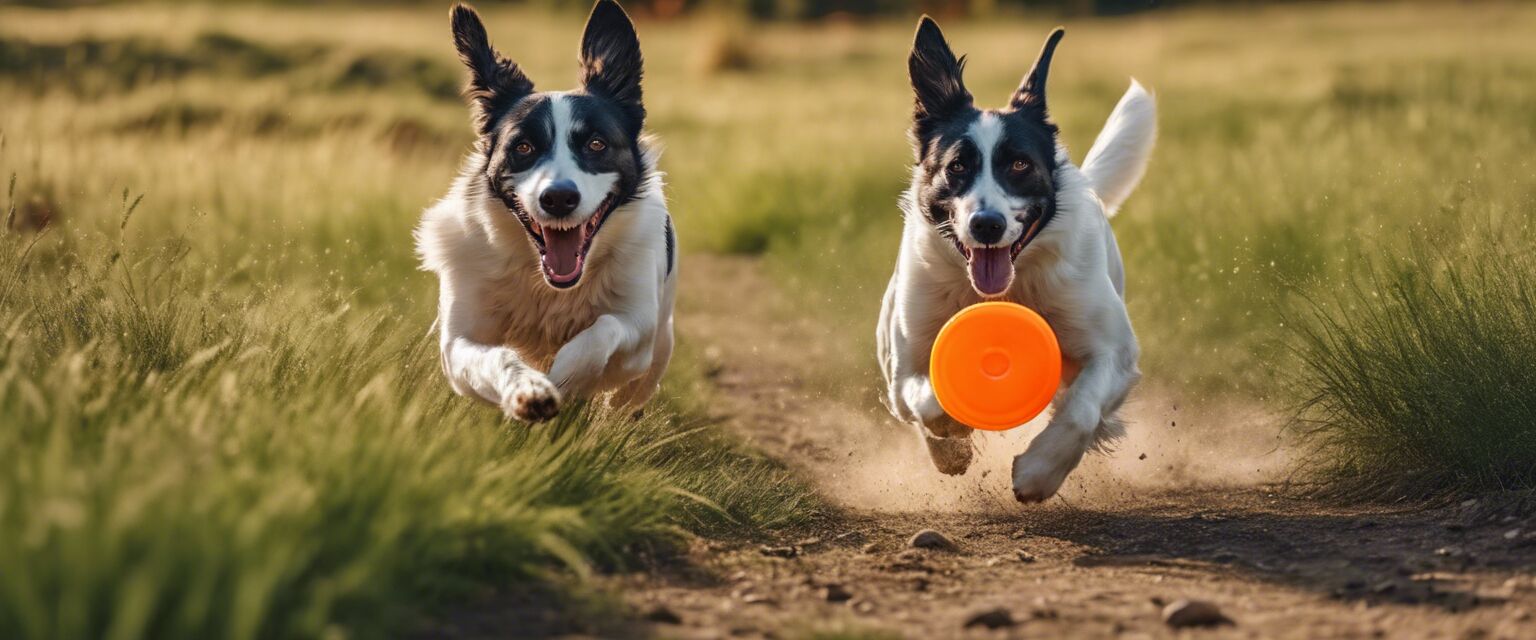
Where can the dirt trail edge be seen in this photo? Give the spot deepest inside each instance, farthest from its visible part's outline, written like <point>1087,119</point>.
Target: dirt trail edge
<point>1102,562</point>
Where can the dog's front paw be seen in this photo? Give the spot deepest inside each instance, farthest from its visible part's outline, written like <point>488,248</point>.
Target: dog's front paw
<point>531,398</point>
<point>1036,480</point>
<point>951,456</point>
<point>1039,472</point>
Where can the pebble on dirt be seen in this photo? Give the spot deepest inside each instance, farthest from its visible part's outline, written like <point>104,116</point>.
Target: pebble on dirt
<point>991,619</point>
<point>836,593</point>
<point>1194,613</point>
<point>663,615</point>
<point>930,539</point>
<point>779,552</point>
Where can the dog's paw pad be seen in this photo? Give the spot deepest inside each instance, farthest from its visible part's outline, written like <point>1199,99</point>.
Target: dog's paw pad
<point>1037,481</point>
<point>532,399</point>
<point>1030,496</point>
<point>951,456</point>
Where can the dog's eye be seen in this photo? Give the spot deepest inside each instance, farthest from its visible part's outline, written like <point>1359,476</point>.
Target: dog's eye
<point>1019,166</point>
<point>957,167</point>
<point>597,145</point>
<point>523,148</point>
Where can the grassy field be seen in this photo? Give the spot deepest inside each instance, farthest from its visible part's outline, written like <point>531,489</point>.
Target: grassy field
<point>223,411</point>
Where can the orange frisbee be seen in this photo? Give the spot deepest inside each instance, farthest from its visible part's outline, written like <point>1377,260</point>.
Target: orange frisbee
<point>995,365</point>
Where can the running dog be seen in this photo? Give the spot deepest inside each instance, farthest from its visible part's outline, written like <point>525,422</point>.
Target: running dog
<point>997,211</point>
<point>554,249</point>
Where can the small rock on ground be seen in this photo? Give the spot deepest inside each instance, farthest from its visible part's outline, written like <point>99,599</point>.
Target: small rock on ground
<point>930,539</point>
<point>991,619</point>
<point>1194,613</point>
<point>779,552</point>
<point>836,593</point>
<point>663,615</point>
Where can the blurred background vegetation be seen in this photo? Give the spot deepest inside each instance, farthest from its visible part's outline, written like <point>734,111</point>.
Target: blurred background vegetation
<point>208,295</point>
<point>782,9</point>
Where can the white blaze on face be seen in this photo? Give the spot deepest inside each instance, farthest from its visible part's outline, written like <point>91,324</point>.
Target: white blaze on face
<point>564,242</point>
<point>560,164</point>
<point>985,192</point>
<point>990,264</point>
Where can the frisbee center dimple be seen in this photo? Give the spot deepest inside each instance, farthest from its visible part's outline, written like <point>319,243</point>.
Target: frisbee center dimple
<point>994,363</point>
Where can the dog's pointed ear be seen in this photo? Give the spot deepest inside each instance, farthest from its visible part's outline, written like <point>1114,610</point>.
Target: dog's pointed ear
<point>936,74</point>
<point>495,83</point>
<point>1031,91</point>
<point>611,65</point>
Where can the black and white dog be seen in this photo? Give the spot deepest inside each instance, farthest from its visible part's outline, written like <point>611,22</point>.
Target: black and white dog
<point>554,249</point>
<point>997,210</point>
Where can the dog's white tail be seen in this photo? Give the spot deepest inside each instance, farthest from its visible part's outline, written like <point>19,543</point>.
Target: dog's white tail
<point>1119,156</point>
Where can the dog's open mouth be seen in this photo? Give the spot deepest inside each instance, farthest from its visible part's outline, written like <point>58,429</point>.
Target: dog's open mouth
<point>992,267</point>
<point>563,252</point>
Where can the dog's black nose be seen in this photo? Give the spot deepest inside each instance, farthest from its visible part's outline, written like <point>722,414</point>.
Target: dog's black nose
<point>987,226</point>
<point>560,198</point>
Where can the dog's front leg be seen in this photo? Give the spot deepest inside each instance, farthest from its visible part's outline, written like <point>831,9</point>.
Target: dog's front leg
<point>493,373</point>
<point>909,393</point>
<point>1084,413</point>
<point>948,441</point>
<point>586,365</point>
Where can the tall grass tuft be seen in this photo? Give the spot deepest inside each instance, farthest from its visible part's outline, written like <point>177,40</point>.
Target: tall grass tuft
<point>183,457</point>
<point>1418,379</point>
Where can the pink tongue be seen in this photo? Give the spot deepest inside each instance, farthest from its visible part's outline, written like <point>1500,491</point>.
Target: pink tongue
<point>991,270</point>
<point>562,252</point>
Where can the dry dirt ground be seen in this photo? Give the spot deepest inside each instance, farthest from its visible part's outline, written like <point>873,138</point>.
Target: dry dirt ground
<point>1191,507</point>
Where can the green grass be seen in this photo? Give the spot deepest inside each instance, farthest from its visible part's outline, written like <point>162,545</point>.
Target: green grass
<point>225,416</point>
<point>180,461</point>
<point>1418,375</point>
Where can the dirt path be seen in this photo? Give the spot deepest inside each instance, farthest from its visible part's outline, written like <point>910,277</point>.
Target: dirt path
<point>1182,511</point>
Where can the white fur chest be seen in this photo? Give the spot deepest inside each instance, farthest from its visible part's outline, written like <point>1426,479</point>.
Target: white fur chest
<point>536,319</point>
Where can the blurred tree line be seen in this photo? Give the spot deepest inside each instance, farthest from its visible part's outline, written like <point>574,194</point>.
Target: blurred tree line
<point>769,9</point>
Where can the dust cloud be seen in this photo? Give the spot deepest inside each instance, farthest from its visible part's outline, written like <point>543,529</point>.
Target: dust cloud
<point>869,461</point>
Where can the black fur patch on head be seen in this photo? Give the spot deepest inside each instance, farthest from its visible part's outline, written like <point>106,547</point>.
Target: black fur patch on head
<point>599,118</point>
<point>530,121</point>
<point>611,64</point>
<point>1028,124</point>
<point>1023,158</point>
<point>945,143</point>
<point>495,83</point>
<point>598,141</point>
<point>937,82</point>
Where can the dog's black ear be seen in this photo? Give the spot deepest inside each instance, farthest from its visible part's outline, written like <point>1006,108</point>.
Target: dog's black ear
<point>1031,92</point>
<point>611,65</point>
<point>495,83</point>
<point>936,75</point>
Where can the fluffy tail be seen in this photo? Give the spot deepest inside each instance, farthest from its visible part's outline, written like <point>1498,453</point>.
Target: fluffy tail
<point>1119,156</point>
